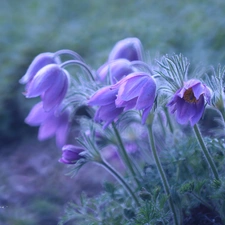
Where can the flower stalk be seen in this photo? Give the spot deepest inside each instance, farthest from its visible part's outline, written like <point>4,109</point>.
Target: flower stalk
<point>162,173</point>
<point>124,155</point>
<point>120,179</point>
<point>206,152</point>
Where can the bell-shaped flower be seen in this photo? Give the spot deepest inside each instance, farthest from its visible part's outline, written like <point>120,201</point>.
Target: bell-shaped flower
<point>128,48</point>
<point>188,102</point>
<point>38,63</point>
<point>115,70</point>
<point>51,83</point>
<point>105,99</point>
<point>52,123</point>
<point>137,91</point>
<point>71,154</point>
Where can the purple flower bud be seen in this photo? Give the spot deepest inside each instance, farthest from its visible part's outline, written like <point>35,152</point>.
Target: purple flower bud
<point>105,99</point>
<point>138,91</point>
<point>52,123</point>
<point>188,102</point>
<point>116,69</point>
<point>129,48</point>
<point>70,154</point>
<point>51,83</point>
<point>39,62</point>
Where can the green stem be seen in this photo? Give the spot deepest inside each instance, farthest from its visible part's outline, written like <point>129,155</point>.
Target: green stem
<point>124,155</point>
<point>120,179</point>
<point>169,120</point>
<point>206,151</point>
<point>162,173</point>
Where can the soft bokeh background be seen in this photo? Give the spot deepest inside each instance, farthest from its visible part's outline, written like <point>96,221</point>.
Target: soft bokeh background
<point>33,188</point>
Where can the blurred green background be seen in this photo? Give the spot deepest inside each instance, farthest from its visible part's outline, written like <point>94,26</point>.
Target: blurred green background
<point>194,28</point>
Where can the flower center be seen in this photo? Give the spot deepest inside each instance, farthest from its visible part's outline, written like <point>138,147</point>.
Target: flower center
<point>189,96</point>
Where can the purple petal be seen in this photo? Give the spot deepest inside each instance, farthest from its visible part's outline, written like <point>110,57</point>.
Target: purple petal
<point>55,94</point>
<point>48,128</point>
<point>37,115</point>
<point>199,111</point>
<point>147,95</point>
<point>103,96</point>
<point>44,80</point>
<point>198,90</point>
<point>39,62</point>
<point>131,86</point>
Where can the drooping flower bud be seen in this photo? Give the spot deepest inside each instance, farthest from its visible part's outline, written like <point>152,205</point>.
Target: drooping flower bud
<point>136,91</point>
<point>116,70</point>
<point>51,83</point>
<point>70,154</point>
<point>38,63</point>
<point>128,48</point>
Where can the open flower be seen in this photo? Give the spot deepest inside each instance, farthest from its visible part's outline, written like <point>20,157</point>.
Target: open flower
<point>52,123</point>
<point>128,48</point>
<point>38,63</point>
<point>115,69</point>
<point>105,99</point>
<point>138,91</point>
<point>51,83</point>
<point>71,154</point>
<point>189,101</point>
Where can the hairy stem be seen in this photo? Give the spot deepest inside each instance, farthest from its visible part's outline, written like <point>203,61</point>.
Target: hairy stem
<point>120,179</point>
<point>124,155</point>
<point>162,174</point>
<point>206,152</point>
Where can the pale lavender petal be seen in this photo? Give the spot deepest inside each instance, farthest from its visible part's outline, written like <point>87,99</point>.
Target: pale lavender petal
<point>55,94</point>
<point>147,95</point>
<point>131,86</point>
<point>43,80</point>
<point>48,128</point>
<point>37,115</point>
<point>198,90</point>
<point>39,62</point>
<point>63,129</point>
<point>103,96</point>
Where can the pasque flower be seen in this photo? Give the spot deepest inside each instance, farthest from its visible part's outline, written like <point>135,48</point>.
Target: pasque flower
<point>51,83</point>
<point>188,102</point>
<point>115,69</point>
<point>38,63</point>
<point>52,123</point>
<point>138,91</point>
<point>71,154</point>
<point>105,99</point>
<point>128,48</point>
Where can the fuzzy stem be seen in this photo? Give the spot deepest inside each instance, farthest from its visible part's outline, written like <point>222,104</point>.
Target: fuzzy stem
<point>169,120</point>
<point>162,173</point>
<point>78,62</point>
<point>206,152</point>
<point>69,52</point>
<point>124,154</point>
<point>120,179</point>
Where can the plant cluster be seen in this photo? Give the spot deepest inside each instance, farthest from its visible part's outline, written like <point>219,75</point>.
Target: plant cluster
<point>161,121</point>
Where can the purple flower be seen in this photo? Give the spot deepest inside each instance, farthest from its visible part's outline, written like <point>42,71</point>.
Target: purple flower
<point>188,102</point>
<point>128,48</point>
<point>51,83</point>
<point>105,99</point>
<point>138,91</point>
<point>71,154</point>
<point>52,123</point>
<point>116,69</point>
<point>39,62</point>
